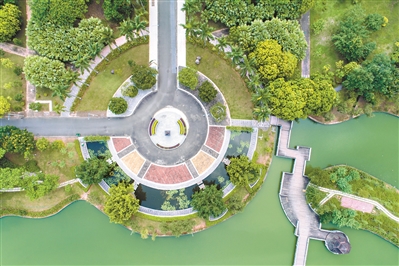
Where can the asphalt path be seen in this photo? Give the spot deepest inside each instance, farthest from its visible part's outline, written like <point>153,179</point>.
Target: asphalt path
<point>137,125</point>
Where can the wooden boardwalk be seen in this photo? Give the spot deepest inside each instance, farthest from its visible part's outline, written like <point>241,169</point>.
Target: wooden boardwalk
<point>292,193</point>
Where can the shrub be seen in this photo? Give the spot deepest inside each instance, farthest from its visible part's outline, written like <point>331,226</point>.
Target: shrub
<point>17,41</point>
<point>96,138</point>
<point>218,112</point>
<point>18,70</point>
<point>57,145</point>
<point>317,26</point>
<point>42,144</point>
<point>10,21</point>
<point>35,106</point>
<point>374,22</point>
<point>143,77</point>
<point>31,166</point>
<point>188,77</point>
<point>117,105</point>
<point>207,92</point>
<point>18,97</point>
<point>130,91</point>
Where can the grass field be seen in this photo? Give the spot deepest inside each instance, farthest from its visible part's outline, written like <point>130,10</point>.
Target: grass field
<point>7,75</point>
<point>104,85</point>
<point>225,77</point>
<point>332,11</point>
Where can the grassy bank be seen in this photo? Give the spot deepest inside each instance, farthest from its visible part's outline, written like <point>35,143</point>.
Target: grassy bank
<point>225,77</point>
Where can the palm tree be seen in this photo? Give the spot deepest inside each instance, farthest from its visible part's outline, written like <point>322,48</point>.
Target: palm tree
<point>127,29</point>
<point>247,66</point>
<point>60,90</point>
<point>191,6</point>
<point>138,25</point>
<point>222,43</point>
<point>191,27</point>
<point>261,113</point>
<point>82,63</point>
<point>58,108</point>
<point>205,32</point>
<point>261,96</point>
<point>254,83</point>
<point>107,37</point>
<point>236,54</point>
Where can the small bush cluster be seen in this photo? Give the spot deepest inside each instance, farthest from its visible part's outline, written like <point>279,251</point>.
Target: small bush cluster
<point>207,92</point>
<point>117,105</point>
<point>130,91</point>
<point>218,112</point>
<point>188,77</point>
<point>96,138</point>
<point>35,106</point>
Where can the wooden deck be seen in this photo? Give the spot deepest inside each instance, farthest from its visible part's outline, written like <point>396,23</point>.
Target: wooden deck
<point>292,193</point>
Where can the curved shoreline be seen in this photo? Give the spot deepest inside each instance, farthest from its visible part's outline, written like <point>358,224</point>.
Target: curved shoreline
<point>339,122</point>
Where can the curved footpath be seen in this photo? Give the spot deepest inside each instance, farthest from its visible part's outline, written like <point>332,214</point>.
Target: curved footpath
<point>340,193</point>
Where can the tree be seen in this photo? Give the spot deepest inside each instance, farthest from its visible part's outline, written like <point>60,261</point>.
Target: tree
<point>188,77</point>
<point>143,77</point>
<point>242,171</point>
<point>374,22</point>
<point>5,106</point>
<point>13,139</point>
<point>118,10</point>
<point>271,62</point>
<point>48,73</point>
<point>205,32</point>
<point>82,63</point>
<point>61,91</point>
<point>377,75</point>
<point>117,105</point>
<point>191,27</point>
<point>126,28</point>
<point>93,170</point>
<point>179,227</point>
<point>191,7</point>
<point>42,144</point>
<point>7,63</point>
<point>121,204</point>
<point>139,25</point>
<point>247,67</point>
<point>10,22</point>
<point>222,43</point>
<point>236,55</point>
<point>35,189</point>
<point>11,177</point>
<point>57,12</point>
<point>207,92</point>
<point>2,152</point>
<point>208,202</point>
<point>235,204</point>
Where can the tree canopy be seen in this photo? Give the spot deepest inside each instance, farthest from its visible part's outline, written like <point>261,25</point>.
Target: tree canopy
<point>271,62</point>
<point>299,98</point>
<point>376,75</point>
<point>242,171</point>
<point>39,185</point>
<point>117,105</point>
<point>208,202</point>
<point>58,12</point>
<point>9,22</point>
<point>143,77</point>
<point>13,139</point>
<point>48,73</point>
<point>11,177</point>
<point>93,170</point>
<point>4,106</point>
<point>287,33</point>
<point>121,204</point>
<point>207,92</point>
<point>232,12</point>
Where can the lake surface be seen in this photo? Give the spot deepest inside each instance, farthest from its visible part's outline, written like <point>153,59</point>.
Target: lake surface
<point>261,235</point>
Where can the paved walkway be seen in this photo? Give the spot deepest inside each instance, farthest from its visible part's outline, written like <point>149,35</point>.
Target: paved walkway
<point>340,193</point>
<point>292,193</point>
<point>305,25</point>
<point>18,50</point>
<point>63,184</point>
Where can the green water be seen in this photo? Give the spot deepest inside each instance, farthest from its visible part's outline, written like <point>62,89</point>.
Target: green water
<point>261,235</point>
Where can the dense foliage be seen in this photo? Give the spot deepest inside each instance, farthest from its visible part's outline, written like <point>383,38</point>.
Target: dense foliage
<point>121,204</point>
<point>4,106</point>
<point>179,227</point>
<point>314,196</point>
<point>11,177</point>
<point>143,77</point>
<point>242,171</point>
<point>117,105</point>
<point>376,75</point>
<point>58,12</point>
<point>9,22</point>
<point>130,91</point>
<point>118,10</point>
<point>352,33</point>
<point>188,77</point>
<point>299,98</point>
<point>331,213</point>
<point>232,12</point>
<point>47,73</point>
<point>13,139</point>
<point>208,202</point>
<point>271,62</point>
<point>66,43</point>
<point>93,170</point>
<point>287,33</point>
<point>39,185</point>
<point>207,92</point>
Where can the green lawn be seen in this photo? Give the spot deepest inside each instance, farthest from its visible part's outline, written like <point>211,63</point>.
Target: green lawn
<point>7,75</point>
<point>104,85</point>
<point>225,77</point>
<point>45,94</point>
<point>322,49</point>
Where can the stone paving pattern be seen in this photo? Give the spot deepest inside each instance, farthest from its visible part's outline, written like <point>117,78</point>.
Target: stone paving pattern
<point>215,138</point>
<point>168,175</point>
<point>134,161</point>
<point>202,161</point>
<point>121,143</point>
<point>356,205</point>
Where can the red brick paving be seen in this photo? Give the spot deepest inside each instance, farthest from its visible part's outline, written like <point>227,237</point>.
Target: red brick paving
<point>215,138</point>
<point>121,143</point>
<point>168,175</point>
